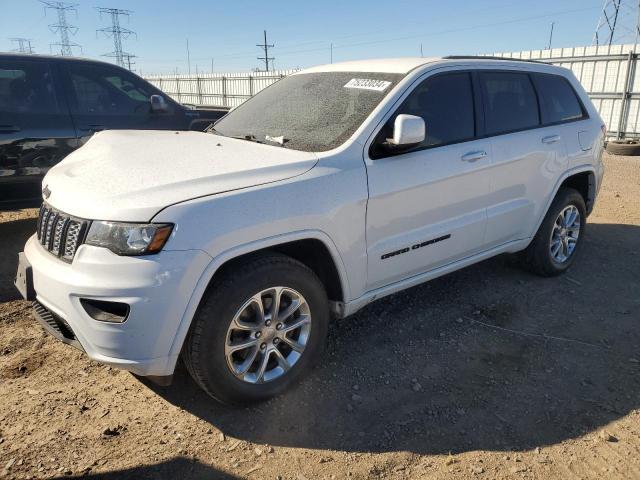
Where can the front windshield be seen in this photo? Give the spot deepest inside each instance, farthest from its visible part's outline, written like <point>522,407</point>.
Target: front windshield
<point>312,112</point>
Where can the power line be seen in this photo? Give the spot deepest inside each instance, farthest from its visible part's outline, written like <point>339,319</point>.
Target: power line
<point>618,22</point>
<point>266,57</point>
<point>431,33</point>
<point>118,33</point>
<point>62,27</point>
<point>607,22</point>
<point>23,45</point>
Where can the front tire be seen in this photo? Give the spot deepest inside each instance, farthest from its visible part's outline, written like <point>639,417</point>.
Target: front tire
<point>559,238</point>
<point>259,329</point>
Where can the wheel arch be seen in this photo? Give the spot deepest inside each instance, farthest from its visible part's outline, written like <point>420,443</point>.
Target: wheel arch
<point>298,245</point>
<point>582,177</point>
<point>585,183</point>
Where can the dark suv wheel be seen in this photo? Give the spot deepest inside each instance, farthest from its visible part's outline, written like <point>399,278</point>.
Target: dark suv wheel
<point>554,248</point>
<point>258,329</point>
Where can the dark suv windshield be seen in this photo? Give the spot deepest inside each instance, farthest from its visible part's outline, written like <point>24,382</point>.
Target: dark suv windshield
<point>313,112</point>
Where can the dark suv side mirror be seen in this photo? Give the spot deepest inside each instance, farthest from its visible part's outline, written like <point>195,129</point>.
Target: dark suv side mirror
<point>158,104</point>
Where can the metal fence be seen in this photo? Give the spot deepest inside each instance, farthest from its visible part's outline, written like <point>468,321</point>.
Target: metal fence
<point>215,89</point>
<point>608,74</point>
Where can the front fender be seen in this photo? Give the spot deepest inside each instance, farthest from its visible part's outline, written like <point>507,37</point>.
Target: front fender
<point>235,252</point>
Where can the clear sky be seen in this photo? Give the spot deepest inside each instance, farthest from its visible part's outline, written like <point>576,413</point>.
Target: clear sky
<point>303,30</point>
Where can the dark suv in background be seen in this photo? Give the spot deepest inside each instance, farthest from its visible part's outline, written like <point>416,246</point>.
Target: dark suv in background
<point>50,106</point>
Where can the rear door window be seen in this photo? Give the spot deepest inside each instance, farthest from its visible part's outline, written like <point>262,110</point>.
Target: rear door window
<point>26,88</point>
<point>558,101</point>
<point>510,102</point>
<point>99,90</point>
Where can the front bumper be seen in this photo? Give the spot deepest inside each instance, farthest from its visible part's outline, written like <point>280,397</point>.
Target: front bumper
<point>156,287</point>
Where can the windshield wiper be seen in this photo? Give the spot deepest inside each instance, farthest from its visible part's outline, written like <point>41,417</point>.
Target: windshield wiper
<point>249,138</point>
<point>280,141</point>
<point>212,129</point>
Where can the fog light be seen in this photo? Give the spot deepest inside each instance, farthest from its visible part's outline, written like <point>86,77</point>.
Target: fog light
<point>104,311</point>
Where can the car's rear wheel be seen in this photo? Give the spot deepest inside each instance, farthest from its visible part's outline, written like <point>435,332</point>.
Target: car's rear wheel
<point>258,330</point>
<point>554,248</point>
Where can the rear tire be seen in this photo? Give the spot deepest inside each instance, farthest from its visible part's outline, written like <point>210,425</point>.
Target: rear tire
<point>555,246</point>
<point>237,310</point>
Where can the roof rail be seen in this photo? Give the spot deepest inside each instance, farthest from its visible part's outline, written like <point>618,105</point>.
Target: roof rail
<point>488,57</point>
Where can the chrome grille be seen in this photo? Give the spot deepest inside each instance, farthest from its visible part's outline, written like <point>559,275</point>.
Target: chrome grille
<point>59,233</point>
<point>72,240</point>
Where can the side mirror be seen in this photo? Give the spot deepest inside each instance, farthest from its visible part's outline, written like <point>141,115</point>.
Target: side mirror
<point>407,130</point>
<point>158,104</point>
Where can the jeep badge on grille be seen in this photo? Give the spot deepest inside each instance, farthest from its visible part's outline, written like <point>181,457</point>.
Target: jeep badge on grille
<point>46,193</point>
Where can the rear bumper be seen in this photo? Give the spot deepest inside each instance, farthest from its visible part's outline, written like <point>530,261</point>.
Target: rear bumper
<point>157,288</point>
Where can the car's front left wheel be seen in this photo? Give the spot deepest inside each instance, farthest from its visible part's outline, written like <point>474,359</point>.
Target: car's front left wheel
<point>258,329</point>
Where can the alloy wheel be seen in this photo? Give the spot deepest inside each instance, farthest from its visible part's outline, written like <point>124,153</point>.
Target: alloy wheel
<point>268,335</point>
<point>565,233</point>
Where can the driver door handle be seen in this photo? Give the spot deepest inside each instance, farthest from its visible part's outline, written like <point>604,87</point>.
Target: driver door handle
<point>473,156</point>
<point>551,139</point>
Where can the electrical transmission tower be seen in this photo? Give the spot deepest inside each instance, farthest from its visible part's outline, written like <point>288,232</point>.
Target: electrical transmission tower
<point>619,22</point>
<point>23,45</point>
<point>62,27</point>
<point>118,33</point>
<point>266,48</point>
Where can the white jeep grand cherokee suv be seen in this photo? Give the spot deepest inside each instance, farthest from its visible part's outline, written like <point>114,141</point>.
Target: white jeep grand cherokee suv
<point>332,188</point>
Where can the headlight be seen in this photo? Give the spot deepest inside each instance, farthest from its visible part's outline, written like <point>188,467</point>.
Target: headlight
<point>129,238</point>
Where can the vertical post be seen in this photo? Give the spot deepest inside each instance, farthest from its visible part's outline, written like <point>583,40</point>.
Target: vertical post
<point>551,35</point>
<point>223,79</point>
<point>250,86</point>
<point>199,90</point>
<point>266,51</point>
<point>178,96</point>
<point>188,57</point>
<point>626,95</point>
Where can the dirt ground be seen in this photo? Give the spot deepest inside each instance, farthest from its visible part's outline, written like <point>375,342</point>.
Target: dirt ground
<point>489,372</point>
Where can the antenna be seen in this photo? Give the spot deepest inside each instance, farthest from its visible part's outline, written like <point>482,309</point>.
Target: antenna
<point>118,33</point>
<point>618,22</point>
<point>23,45</point>
<point>62,27</point>
<point>266,57</point>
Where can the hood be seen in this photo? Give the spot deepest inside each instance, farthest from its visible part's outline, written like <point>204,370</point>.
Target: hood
<point>129,175</point>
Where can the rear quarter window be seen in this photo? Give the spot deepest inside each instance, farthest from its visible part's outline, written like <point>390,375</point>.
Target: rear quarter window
<point>558,100</point>
<point>26,88</point>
